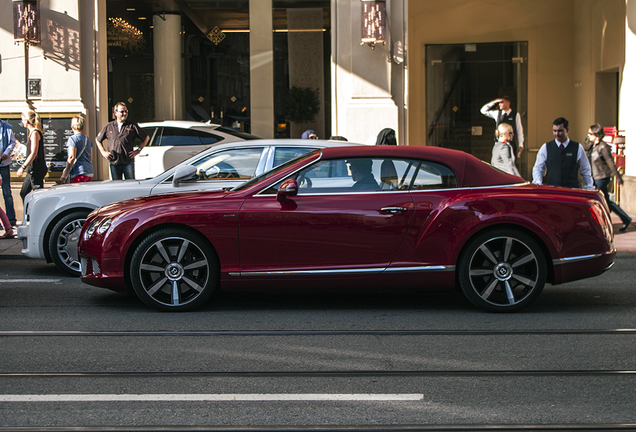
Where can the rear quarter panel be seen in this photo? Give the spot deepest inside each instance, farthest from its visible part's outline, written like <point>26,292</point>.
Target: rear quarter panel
<point>564,224</point>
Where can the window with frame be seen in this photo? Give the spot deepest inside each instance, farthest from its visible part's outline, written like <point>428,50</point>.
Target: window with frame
<point>185,137</point>
<point>370,175</point>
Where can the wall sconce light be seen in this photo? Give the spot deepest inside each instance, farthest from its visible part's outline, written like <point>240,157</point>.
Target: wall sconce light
<point>373,22</point>
<point>26,21</point>
<point>26,29</point>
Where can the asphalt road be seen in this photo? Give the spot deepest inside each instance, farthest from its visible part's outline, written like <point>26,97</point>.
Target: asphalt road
<point>72,355</point>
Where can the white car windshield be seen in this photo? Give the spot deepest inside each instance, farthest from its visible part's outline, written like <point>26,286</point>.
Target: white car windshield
<point>273,171</point>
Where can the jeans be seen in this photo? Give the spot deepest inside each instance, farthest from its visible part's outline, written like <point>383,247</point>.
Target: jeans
<point>125,172</point>
<point>6,193</point>
<point>602,186</point>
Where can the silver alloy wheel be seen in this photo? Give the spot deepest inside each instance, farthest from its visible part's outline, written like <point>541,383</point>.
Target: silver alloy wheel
<point>173,271</point>
<point>503,271</point>
<point>63,240</point>
<point>66,244</point>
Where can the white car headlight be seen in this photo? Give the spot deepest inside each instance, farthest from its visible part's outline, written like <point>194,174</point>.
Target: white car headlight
<point>104,225</point>
<point>91,229</point>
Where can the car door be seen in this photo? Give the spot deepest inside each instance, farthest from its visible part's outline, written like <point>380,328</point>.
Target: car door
<point>330,228</point>
<point>143,161</point>
<point>170,147</point>
<point>225,168</point>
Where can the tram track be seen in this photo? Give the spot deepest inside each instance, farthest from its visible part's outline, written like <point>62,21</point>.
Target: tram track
<point>260,333</point>
<point>607,427</point>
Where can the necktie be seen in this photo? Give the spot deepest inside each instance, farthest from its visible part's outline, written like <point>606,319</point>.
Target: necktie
<point>561,146</point>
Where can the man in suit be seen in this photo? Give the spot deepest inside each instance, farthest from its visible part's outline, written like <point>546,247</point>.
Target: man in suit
<point>562,158</point>
<point>500,111</point>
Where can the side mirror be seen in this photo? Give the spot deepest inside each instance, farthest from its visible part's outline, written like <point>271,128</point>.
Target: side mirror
<point>288,188</point>
<point>182,173</point>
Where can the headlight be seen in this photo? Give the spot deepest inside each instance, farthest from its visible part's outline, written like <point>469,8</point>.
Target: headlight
<point>104,225</point>
<point>91,229</point>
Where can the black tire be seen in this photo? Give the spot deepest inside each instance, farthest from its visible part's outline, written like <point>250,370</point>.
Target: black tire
<point>63,242</point>
<point>502,270</point>
<point>174,270</point>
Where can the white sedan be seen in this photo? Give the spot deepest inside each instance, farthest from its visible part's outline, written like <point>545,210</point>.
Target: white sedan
<point>173,141</point>
<point>53,217</point>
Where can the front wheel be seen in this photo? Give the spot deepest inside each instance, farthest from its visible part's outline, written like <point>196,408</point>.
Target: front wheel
<point>63,242</point>
<point>174,270</point>
<point>502,270</point>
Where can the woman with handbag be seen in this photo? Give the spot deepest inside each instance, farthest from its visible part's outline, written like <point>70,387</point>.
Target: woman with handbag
<point>35,164</point>
<point>78,165</point>
<point>603,168</point>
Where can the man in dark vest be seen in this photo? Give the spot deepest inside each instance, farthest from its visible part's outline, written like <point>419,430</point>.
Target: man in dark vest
<point>563,159</point>
<point>500,111</point>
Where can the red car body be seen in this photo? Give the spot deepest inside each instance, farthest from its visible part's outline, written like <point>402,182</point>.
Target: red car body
<point>414,235</point>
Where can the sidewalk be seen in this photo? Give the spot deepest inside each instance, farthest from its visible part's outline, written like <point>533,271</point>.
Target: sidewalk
<point>14,246</point>
<point>625,242</point>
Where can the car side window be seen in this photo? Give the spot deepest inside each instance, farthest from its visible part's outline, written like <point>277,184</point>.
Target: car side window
<point>355,175</point>
<point>284,154</point>
<point>432,175</point>
<point>236,164</point>
<point>153,133</point>
<point>178,137</point>
<point>208,138</point>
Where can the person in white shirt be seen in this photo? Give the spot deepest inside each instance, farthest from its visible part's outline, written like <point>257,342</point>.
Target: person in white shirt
<point>500,111</point>
<point>562,158</point>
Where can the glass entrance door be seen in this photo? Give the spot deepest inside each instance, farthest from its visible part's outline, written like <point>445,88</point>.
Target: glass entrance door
<point>460,79</point>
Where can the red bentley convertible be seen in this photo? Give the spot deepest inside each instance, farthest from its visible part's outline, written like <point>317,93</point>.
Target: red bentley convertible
<point>353,217</point>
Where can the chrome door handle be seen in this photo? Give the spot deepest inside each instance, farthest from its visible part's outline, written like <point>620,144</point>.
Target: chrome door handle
<point>394,210</point>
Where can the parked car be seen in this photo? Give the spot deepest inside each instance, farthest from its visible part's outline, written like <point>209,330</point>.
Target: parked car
<point>53,217</point>
<point>354,217</point>
<point>171,142</point>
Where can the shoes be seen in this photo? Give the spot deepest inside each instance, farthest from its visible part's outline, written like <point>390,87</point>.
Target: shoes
<point>8,234</point>
<point>625,225</point>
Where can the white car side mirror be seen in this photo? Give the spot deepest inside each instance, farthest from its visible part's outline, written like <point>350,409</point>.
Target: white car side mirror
<point>182,173</point>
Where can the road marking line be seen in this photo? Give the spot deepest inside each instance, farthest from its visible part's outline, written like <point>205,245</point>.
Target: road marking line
<point>30,280</point>
<point>207,397</point>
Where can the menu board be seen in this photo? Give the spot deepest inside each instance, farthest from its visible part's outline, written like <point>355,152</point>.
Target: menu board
<point>56,134</point>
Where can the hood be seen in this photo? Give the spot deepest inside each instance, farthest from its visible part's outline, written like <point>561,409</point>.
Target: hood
<point>175,199</point>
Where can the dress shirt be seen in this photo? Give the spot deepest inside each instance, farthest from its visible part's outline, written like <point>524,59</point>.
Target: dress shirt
<point>485,110</point>
<point>581,158</point>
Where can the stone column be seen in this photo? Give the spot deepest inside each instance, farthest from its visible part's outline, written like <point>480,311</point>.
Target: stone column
<point>168,67</point>
<point>261,69</point>
<point>306,68</point>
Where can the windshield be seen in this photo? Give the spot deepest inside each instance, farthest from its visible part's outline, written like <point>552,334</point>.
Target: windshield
<point>274,171</point>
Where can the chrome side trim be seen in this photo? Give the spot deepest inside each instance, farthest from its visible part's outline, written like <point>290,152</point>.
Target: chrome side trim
<point>559,261</point>
<point>422,269</point>
<point>308,272</point>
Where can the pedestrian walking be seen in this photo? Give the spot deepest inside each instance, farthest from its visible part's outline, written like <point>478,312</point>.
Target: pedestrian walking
<point>603,169</point>
<point>35,164</point>
<point>79,164</point>
<point>7,145</point>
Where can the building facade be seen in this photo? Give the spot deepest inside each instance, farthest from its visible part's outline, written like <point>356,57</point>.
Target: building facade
<point>235,61</point>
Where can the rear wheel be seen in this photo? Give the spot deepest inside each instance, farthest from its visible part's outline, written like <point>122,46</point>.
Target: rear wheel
<point>502,270</point>
<point>174,270</point>
<point>63,242</point>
